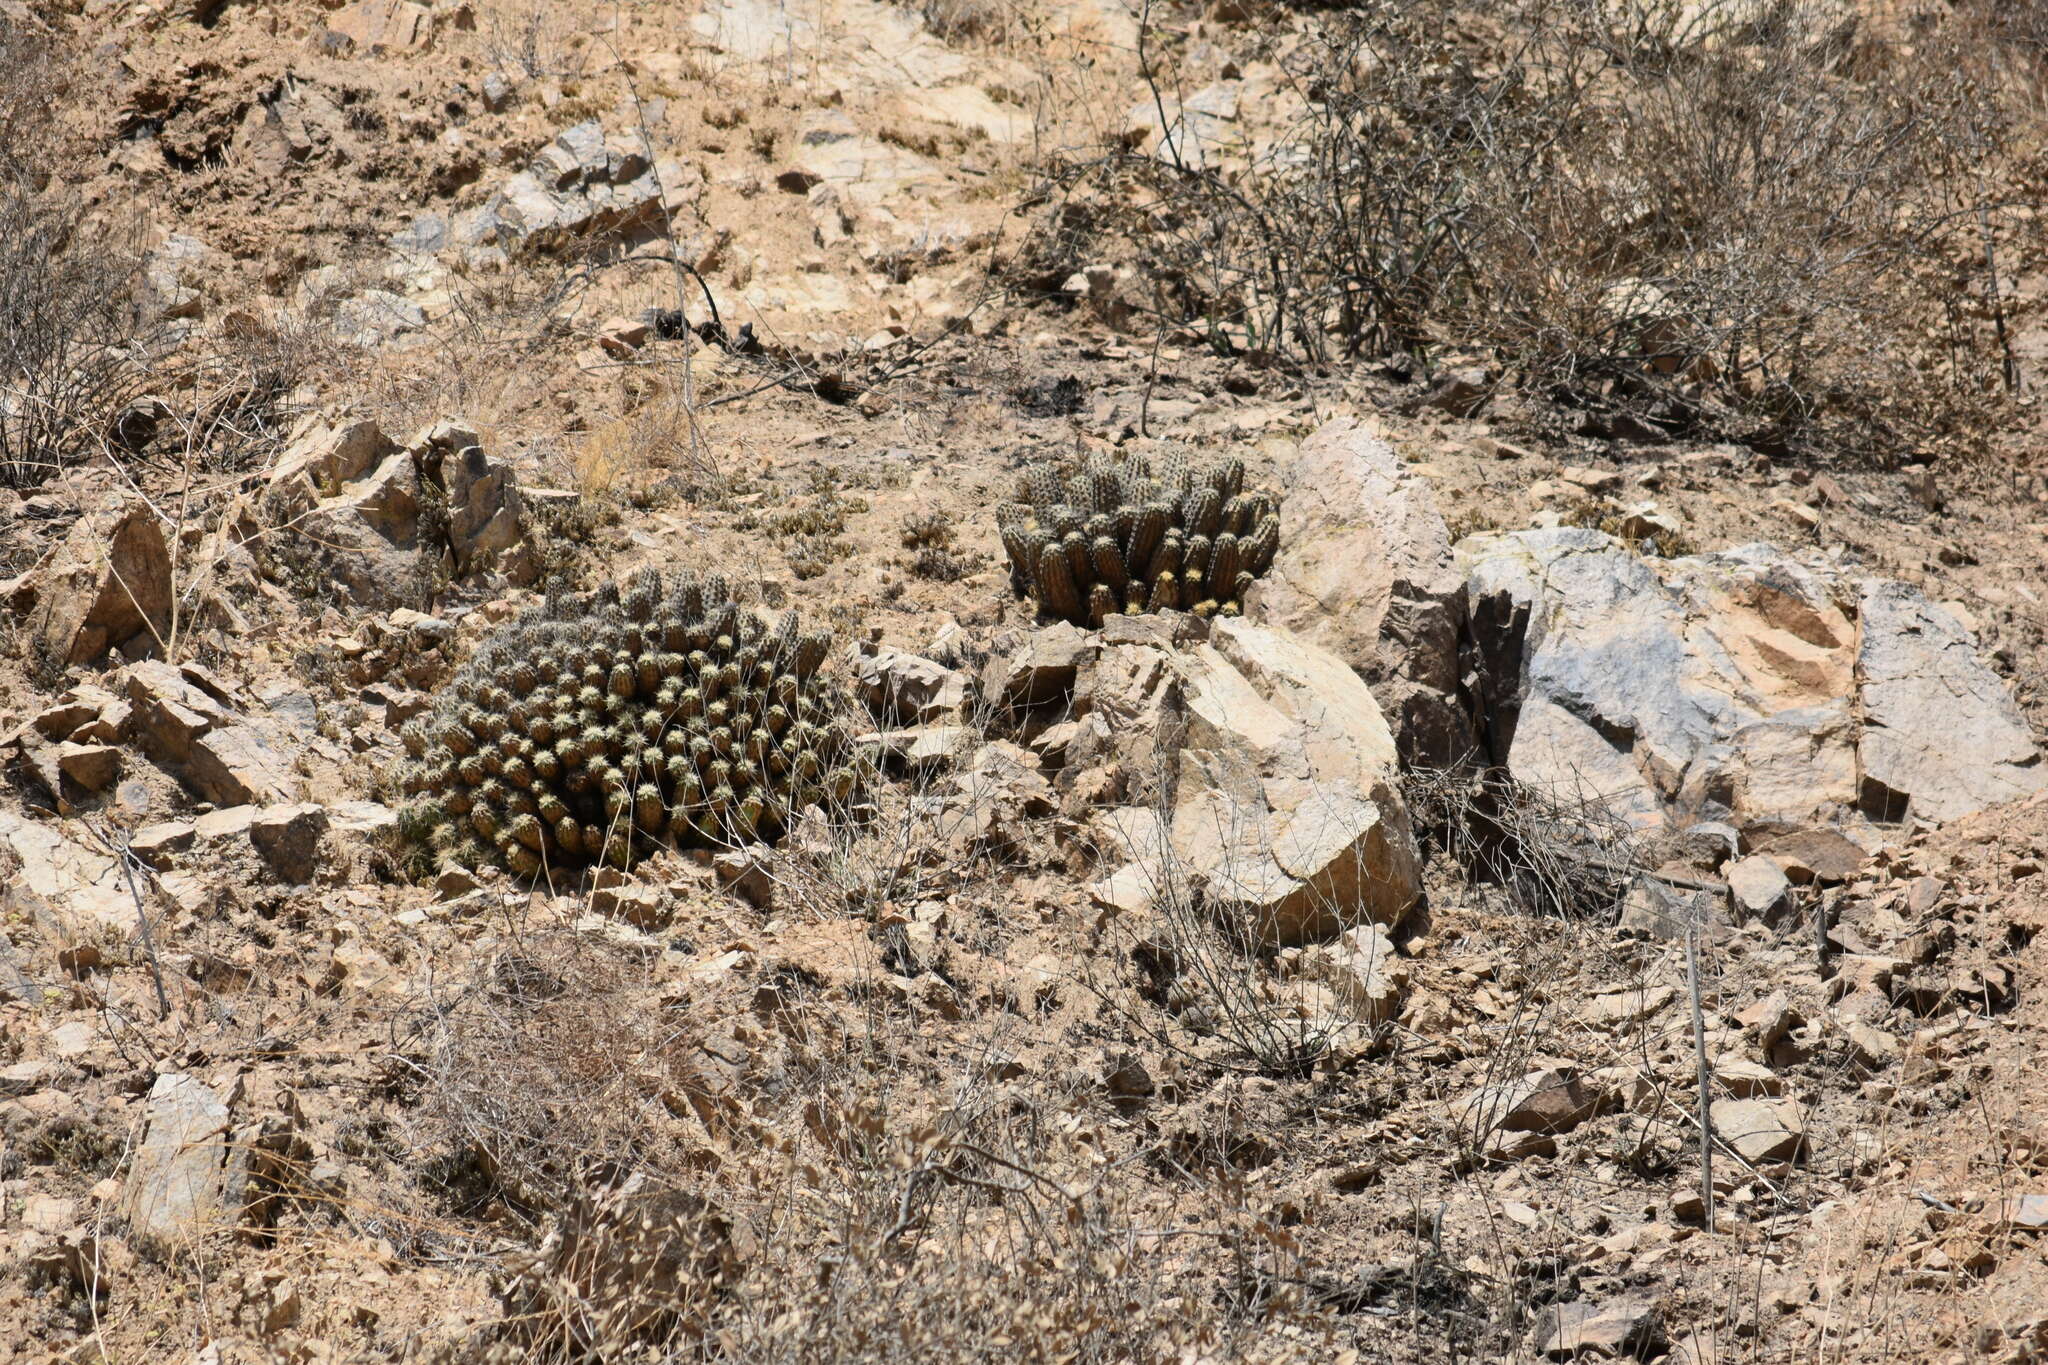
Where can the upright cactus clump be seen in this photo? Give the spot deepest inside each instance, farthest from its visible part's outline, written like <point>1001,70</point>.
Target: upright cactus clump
<point>1118,538</point>
<point>606,722</point>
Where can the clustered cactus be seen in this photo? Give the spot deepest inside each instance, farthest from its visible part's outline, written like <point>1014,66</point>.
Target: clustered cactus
<point>1115,538</point>
<point>661,714</point>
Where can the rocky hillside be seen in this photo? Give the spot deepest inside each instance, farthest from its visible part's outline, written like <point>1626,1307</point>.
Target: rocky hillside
<point>722,682</point>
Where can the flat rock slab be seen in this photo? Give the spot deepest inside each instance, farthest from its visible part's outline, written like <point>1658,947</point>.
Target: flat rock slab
<point>75,894</point>
<point>1763,1130</point>
<point>237,765</point>
<point>174,1194</point>
<point>1619,1329</point>
<point>1747,686</point>
<point>1365,570</point>
<point>1547,1102</point>
<point>1942,736</point>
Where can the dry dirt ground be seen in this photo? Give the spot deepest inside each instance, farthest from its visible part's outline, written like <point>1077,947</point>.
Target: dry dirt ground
<point>910,1105</point>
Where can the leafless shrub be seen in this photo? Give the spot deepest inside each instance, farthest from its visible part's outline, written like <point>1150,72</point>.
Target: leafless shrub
<point>538,39</point>
<point>953,21</point>
<point>975,1232</point>
<point>27,94</point>
<point>73,309</point>
<point>1707,216</point>
<point>526,1109</point>
<point>1562,854</point>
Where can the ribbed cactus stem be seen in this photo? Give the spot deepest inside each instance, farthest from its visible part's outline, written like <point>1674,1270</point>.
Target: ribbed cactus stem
<point>1223,561</point>
<point>1103,603</point>
<point>1056,584</point>
<point>1109,564</point>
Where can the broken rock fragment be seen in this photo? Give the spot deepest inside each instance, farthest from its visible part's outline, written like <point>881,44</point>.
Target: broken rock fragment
<point>174,1194</point>
<point>108,586</point>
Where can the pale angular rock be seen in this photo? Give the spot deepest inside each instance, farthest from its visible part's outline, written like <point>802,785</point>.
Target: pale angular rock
<point>1546,1102</point>
<point>229,824</point>
<point>288,837</point>
<point>1942,736</point>
<point>484,512</point>
<point>72,712</point>
<point>1366,571</point>
<point>323,456</point>
<point>171,711</point>
<point>1006,777</point>
<point>107,584</point>
<point>237,765</point>
<point>2028,1211</point>
<point>1043,667</point>
<point>1196,132</point>
<point>748,873</point>
<point>1126,696</point>
<point>622,337</point>
<point>353,494</point>
<point>375,316</point>
<point>174,1193</point>
<point>1288,817</point>
<point>903,689</point>
<point>24,1078</point>
<point>561,199</point>
<point>1363,971</point>
<point>1826,856</point>
<point>157,844</point>
<point>555,167</point>
<point>74,893</point>
<point>360,970</point>
<point>921,749</point>
<point>1627,1006</point>
<point>94,767</point>
<point>1758,885</point>
<point>371,820</point>
<point>832,149</point>
<point>1620,1328</point>
<point>1749,1080</point>
<point>1132,889</point>
<point>1711,844</point>
<point>1763,1130</point>
<point>380,25</point>
<point>970,106</point>
<point>424,629</point>
<point>1716,686</point>
<point>584,144</point>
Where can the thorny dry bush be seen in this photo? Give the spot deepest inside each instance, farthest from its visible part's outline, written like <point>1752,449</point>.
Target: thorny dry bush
<point>75,332</point>
<point>1560,854</point>
<point>867,1207</point>
<point>1762,220</point>
<point>774,1172</point>
<point>782,1168</point>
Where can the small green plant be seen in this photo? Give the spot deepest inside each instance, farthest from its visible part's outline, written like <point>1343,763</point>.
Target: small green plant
<point>1115,538</point>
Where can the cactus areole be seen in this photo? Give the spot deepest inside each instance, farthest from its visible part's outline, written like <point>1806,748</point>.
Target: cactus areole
<point>604,724</point>
<point>1115,538</point>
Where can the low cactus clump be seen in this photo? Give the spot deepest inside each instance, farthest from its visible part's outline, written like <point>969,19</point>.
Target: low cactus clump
<point>1116,538</point>
<point>607,722</point>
